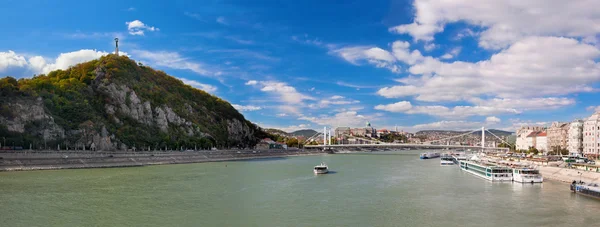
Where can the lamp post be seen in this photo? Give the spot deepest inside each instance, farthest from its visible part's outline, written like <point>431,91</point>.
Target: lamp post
<point>579,176</point>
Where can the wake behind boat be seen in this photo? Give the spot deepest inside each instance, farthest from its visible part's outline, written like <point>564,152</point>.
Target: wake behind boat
<point>321,169</point>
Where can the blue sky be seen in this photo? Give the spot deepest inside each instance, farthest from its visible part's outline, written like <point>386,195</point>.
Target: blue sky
<point>424,64</point>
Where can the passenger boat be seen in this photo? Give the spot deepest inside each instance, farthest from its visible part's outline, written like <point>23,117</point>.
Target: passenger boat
<point>527,175</point>
<point>591,190</point>
<point>487,171</point>
<point>446,160</point>
<point>321,169</point>
<point>429,155</point>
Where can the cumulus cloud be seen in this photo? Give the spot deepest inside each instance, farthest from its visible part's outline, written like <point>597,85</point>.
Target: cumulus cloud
<point>504,22</point>
<point>446,112</point>
<point>39,64</point>
<point>246,108</point>
<point>492,120</point>
<point>334,100</point>
<point>347,118</point>
<point>137,27</point>
<point>284,91</point>
<point>528,68</point>
<point>252,82</point>
<point>205,87</point>
<point>593,108</point>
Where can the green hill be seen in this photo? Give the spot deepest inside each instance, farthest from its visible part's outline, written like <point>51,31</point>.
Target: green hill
<point>304,132</point>
<point>114,103</point>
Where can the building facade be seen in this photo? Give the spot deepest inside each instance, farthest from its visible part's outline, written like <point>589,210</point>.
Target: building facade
<point>591,133</point>
<point>541,142</point>
<point>342,131</point>
<point>522,141</point>
<point>575,140</point>
<point>558,135</point>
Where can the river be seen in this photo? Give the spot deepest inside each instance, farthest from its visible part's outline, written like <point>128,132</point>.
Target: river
<point>388,189</point>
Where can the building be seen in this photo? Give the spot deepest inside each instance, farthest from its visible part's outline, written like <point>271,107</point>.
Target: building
<point>558,134</point>
<point>591,133</point>
<point>341,131</point>
<point>541,142</point>
<point>382,132</point>
<point>522,141</point>
<point>367,131</point>
<point>268,143</point>
<point>575,140</point>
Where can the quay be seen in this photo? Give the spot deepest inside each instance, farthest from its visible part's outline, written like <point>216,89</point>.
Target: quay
<point>46,160</point>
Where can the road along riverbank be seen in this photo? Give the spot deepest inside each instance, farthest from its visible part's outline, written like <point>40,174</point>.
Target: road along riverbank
<point>46,160</point>
<point>568,175</point>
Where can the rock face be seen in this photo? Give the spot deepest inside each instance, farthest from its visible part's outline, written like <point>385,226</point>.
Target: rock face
<point>114,104</point>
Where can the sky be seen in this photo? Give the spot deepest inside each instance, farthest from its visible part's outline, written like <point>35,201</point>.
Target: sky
<point>415,65</point>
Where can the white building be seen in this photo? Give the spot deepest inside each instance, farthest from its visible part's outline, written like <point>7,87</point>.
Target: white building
<point>591,133</point>
<point>575,141</point>
<point>541,142</point>
<point>523,142</point>
<point>558,135</point>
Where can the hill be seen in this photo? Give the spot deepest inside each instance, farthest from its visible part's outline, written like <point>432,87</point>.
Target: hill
<point>114,103</point>
<point>304,132</point>
<point>278,132</point>
<point>495,131</point>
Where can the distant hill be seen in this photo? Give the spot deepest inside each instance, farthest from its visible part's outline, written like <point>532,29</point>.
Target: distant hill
<point>304,132</point>
<point>495,131</point>
<point>277,132</point>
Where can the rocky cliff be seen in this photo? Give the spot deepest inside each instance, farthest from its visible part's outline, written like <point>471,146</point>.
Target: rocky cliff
<point>114,103</point>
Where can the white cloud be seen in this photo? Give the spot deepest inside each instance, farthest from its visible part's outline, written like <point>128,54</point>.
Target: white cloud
<point>492,120</point>
<point>137,27</point>
<point>337,97</point>
<point>348,118</point>
<point>286,93</point>
<point>252,82</point>
<point>205,87</point>
<point>221,20</point>
<point>504,22</point>
<point>334,100</point>
<point>282,115</point>
<point>429,46</point>
<point>449,125</point>
<point>173,60</point>
<point>398,107</point>
<point>593,108</point>
<point>373,55</point>
<point>246,108</point>
<point>447,56</point>
<point>39,64</point>
<point>533,67</point>
<point>526,103</point>
<point>11,59</point>
<point>442,111</point>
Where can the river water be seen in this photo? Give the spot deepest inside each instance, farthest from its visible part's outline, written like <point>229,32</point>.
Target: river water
<point>388,189</point>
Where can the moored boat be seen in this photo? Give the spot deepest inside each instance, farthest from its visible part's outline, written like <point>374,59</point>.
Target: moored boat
<point>321,169</point>
<point>487,171</point>
<point>429,155</point>
<point>591,190</point>
<point>446,160</point>
<point>527,175</point>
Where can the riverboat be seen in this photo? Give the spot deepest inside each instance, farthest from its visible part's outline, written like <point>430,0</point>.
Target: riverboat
<point>321,169</point>
<point>591,190</point>
<point>446,160</point>
<point>527,175</point>
<point>429,155</point>
<point>487,171</point>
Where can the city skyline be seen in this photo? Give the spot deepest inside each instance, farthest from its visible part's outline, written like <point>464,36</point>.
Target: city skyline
<point>313,64</point>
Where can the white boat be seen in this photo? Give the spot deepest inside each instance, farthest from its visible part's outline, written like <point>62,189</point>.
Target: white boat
<point>321,169</point>
<point>429,155</point>
<point>486,171</point>
<point>446,160</point>
<point>527,175</point>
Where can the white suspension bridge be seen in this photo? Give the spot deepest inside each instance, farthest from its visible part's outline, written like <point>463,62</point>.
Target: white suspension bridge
<point>367,143</point>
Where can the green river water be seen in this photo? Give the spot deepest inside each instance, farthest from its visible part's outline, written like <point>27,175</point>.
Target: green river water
<point>388,189</point>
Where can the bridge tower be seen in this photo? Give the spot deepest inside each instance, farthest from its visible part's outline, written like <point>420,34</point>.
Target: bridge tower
<point>482,137</point>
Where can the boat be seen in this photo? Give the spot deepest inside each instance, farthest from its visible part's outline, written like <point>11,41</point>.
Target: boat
<point>321,169</point>
<point>591,190</point>
<point>527,175</point>
<point>446,160</point>
<point>429,155</point>
<point>487,171</point>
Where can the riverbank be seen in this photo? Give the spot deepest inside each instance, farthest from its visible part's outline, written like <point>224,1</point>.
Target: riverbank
<point>568,175</point>
<point>47,160</point>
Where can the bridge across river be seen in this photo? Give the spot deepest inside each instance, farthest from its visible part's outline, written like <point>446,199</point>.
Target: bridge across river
<point>377,145</point>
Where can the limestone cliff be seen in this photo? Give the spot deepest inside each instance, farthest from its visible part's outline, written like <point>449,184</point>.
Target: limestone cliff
<point>113,103</point>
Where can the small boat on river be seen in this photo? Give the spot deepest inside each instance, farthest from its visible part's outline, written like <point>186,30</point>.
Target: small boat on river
<point>321,169</point>
<point>591,190</point>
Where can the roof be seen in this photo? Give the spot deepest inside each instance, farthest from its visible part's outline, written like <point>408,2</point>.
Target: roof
<point>541,134</point>
<point>532,134</point>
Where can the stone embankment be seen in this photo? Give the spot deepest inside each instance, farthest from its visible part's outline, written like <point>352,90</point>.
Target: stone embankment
<point>43,160</point>
<point>568,175</point>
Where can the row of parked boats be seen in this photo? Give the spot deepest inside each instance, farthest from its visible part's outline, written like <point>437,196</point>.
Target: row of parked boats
<point>499,173</point>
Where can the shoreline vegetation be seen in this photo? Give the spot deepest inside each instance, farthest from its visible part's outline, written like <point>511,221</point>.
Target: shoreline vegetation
<point>53,160</point>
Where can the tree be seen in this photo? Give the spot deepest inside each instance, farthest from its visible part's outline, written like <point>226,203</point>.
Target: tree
<point>292,142</point>
<point>532,150</point>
